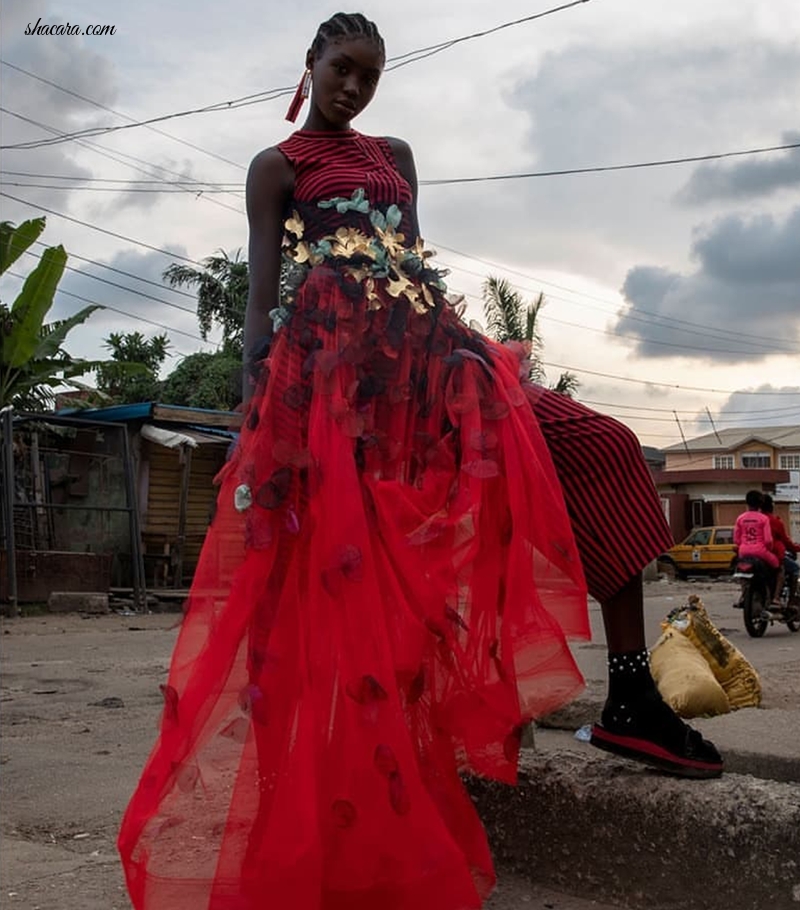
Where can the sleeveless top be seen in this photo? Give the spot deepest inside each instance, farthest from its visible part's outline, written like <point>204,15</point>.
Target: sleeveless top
<point>336,165</point>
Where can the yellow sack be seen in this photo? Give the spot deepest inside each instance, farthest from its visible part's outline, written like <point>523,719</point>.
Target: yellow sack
<point>730,667</point>
<point>684,678</point>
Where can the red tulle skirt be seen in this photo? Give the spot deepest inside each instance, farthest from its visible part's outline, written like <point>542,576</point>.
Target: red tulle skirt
<point>382,602</point>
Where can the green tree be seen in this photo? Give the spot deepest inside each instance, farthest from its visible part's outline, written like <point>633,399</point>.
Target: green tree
<point>33,363</point>
<point>222,286</point>
<point>205,381</point>
<point>118,381</point>
<point>510,318</point>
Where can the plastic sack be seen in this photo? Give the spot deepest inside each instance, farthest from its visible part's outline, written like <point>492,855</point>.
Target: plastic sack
<point>684,677</point>
<point>730,667</point>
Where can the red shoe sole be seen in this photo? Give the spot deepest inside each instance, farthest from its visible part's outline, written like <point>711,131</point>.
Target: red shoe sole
<point>652,754</point>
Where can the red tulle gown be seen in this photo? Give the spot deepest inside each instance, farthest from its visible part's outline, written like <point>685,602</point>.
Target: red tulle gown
<point>383,598</point>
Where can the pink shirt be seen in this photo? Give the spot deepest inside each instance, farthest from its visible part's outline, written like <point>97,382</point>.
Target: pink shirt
<point>753,536</point>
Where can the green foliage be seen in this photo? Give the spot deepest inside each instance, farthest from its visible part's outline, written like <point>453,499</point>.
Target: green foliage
<point>509,318</point>
<point>205,381</point>
<point>33,363</point>
<point>132,373</point>
<point>222,287</point>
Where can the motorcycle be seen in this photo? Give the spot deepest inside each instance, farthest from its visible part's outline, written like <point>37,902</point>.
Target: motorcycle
<point>757,578</point>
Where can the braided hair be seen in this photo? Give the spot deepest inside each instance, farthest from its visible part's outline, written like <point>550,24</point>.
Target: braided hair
<point>342,26</point>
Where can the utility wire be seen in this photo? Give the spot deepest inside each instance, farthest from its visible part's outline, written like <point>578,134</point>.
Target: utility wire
<point>111,189</point>
<point>112,309</point>
<point>664,385</point>
<point>94,227</point>
<point>664,162</point>
<point>110,110</point>
<point>118,157</point>
<point>640,314</point>
<point>681,346</point>
<point>424,52</point>
<point>111,268</point>
<point>143,294</point>
<point>763,412</point>
<point>195,184</point>
<point>269,94</point>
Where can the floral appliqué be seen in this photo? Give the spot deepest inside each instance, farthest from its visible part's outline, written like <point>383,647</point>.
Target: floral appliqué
<point>404,271</point>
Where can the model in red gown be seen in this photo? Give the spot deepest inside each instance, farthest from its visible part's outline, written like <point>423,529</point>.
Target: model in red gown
<point>384,596</point>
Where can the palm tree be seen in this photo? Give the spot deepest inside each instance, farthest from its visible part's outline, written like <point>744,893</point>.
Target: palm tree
<point>509,318</point>
<point>222,286</point>
<point>132,373</point>
<point>33,363</point>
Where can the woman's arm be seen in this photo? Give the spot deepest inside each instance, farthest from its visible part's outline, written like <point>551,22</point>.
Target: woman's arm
<point>404,159</point>
<point>270,182</point>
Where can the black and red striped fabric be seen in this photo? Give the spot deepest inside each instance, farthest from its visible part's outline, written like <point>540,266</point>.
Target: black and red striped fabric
<point>334,164</point>
<point>615,511</point>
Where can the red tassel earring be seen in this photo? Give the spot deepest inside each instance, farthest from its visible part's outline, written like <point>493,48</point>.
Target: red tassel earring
<point>303,91</point>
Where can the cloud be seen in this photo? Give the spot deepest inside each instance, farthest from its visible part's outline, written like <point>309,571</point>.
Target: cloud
<point>741,303</point>
<point>648,99</point>
<point>749,179</point>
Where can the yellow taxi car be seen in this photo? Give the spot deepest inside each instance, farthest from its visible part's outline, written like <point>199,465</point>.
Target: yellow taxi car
<point>706,551</point>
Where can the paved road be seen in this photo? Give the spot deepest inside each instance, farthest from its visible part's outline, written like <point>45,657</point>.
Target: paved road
<point>79,706</point>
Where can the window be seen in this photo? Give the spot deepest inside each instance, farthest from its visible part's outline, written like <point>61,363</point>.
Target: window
<point>724,536</point>
<point>756,460</point>
<point>790,462</point>
<point>724,462</point>
<point>699,538</point>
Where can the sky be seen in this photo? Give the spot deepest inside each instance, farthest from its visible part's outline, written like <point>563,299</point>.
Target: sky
<point>672,291</point>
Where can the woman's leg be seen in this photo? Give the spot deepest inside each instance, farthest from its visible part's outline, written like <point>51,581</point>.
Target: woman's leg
<point>619,528</point>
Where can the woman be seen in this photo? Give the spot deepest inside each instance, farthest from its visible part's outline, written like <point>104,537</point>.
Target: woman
<point>385,594</point>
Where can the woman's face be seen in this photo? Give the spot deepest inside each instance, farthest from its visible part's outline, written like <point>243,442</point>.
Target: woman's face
<point>343,79</point>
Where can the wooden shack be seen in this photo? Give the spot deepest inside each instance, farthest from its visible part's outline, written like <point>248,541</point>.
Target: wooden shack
<point>177,452</point>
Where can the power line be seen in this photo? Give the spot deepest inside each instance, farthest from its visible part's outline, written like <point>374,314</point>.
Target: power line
<point>762,412</point>
<point>664,162</point>
<point>109,189</point>
<point>112,309</point>
<point>639,315</point>
<point>664,385</point>
<point>94,227</point>
<point>433,49</point>
<point>234,187</point>
<point>122,287</point>
<point>268,94</point>
<point>118,157</point>
<point>110,110</point>
<point>758,351</point>
<point>118,271</point>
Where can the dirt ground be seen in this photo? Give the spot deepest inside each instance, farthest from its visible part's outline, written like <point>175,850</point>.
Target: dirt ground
<point>79,705</point>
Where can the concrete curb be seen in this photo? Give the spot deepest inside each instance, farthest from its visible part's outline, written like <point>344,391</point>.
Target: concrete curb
<point>608,829</point>
<point>763,743</point>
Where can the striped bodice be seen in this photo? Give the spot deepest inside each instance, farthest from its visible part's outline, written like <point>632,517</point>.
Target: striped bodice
<point>334,165</point>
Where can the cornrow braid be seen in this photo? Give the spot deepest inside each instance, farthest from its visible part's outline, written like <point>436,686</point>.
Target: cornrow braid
<point>345,26</point>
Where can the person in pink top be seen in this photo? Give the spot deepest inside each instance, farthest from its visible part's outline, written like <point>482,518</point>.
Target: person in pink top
<point>752,533</point>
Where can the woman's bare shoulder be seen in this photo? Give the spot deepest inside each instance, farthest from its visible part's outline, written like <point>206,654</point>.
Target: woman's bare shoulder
<point>270,161</point>
<point>270,171</point>
<point>401,149</point>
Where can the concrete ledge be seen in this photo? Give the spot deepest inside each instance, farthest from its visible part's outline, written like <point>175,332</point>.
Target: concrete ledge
<point>77,602</point>
<point>608,829</point>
